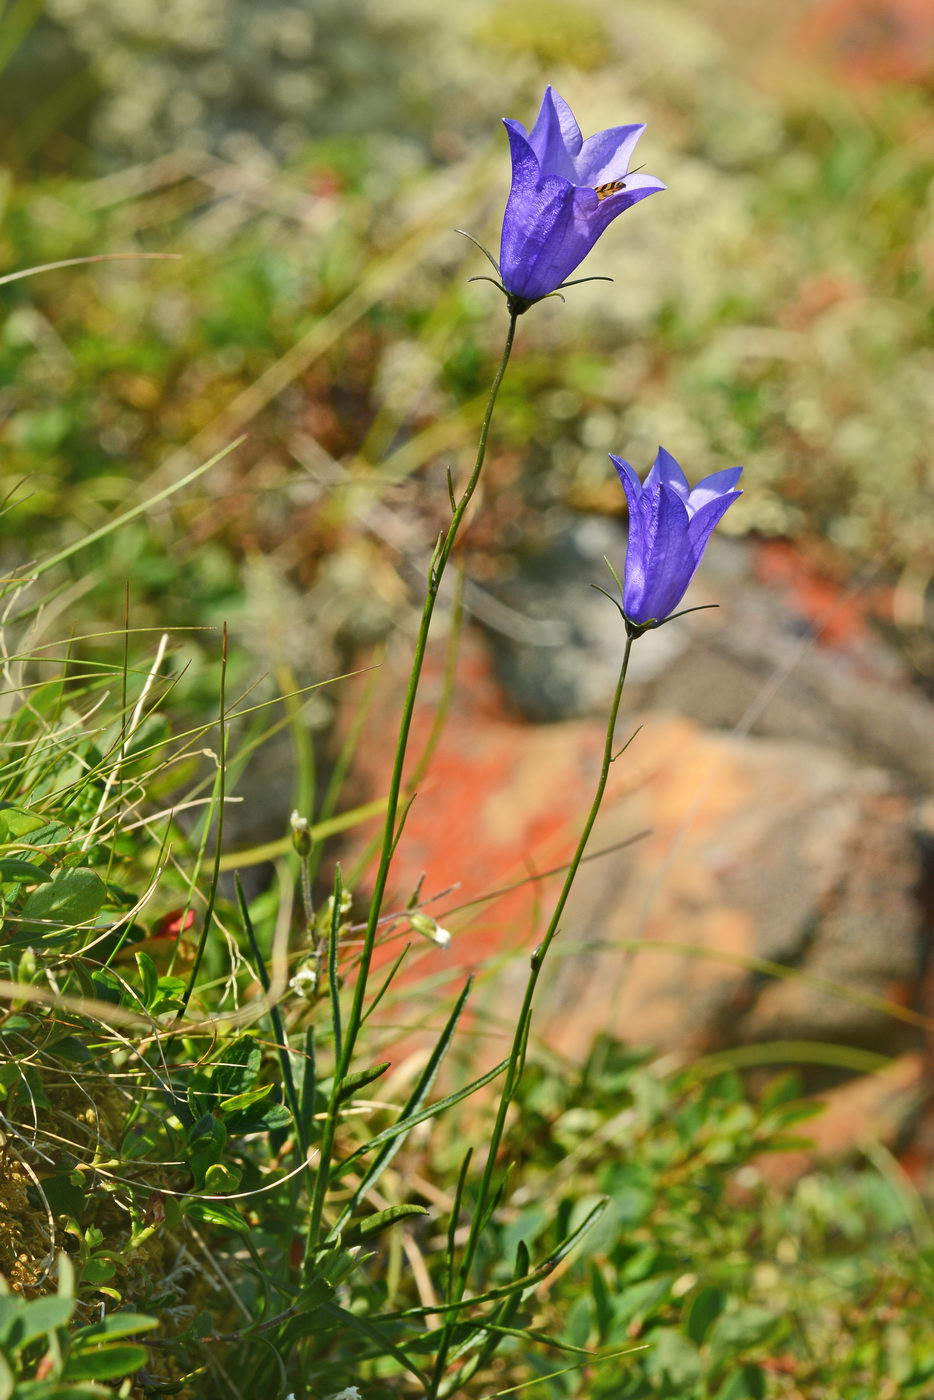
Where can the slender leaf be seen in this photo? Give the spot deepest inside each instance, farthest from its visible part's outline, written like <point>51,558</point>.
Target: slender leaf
<point>105,1363</point>
<point>404,1125</point>
<point>374,1333</point>
<point>415,1101</point>
<point>374,1224</point>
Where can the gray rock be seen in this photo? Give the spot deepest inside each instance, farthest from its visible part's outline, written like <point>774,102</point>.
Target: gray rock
<point>556,642</point>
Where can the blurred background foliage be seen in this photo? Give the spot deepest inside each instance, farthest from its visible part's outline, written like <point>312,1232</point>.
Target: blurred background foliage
<point>307,161</point>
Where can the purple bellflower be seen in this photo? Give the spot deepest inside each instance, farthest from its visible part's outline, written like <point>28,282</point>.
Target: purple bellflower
<point>669,526</point>
<point>565,192</point>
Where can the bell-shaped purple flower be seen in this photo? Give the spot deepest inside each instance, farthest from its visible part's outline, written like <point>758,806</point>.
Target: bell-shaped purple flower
<point>565,192</point>
<point>669,526</point>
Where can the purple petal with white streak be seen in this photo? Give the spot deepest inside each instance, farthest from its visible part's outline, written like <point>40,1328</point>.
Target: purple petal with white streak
<point>713,486</point>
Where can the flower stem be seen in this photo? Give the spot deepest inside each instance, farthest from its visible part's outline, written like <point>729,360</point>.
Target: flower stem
<point>436,569</point>
<point>521,1038</point>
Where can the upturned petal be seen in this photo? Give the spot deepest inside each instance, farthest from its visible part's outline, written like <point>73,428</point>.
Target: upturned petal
<point>556,138</point>
<point>704,522</point>
<point>635,571</point>
<point>665,471</point>
<point>606,156</point>
<point>627,475</point>
<point>713,486</point>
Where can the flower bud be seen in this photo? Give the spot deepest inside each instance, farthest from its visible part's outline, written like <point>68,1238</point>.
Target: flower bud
<point>326,913</point>
<point>430,928</point>
<point>301,835</point>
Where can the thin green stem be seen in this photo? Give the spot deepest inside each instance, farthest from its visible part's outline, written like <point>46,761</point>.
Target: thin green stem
<point>523,1026</point>
<point>220,793</point>
<point>435,574</point>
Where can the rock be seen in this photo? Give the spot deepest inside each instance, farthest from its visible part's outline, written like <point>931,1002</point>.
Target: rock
<point>555,642</point>
<point>759,852</point>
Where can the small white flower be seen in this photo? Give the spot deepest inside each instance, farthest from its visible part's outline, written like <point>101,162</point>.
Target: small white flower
<point>430,928</point>
<point>305,981</point>
<point>298,824</point>
<point>350,1393</point>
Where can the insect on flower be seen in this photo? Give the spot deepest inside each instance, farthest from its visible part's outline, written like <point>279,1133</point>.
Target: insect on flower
<point>565,192</point>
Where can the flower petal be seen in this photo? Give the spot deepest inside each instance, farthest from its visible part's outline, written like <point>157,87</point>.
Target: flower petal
<point>713,486</point>
<point>606,155</point>
<point>627,472</point>
<point>704,521</point>
<point>640,529</point>
<point>670,563</point>
<point>638,187</point>
<point>556,138</point>
<point>665,471</point>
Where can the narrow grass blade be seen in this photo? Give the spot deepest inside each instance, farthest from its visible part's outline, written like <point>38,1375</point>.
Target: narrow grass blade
<point>275,1017</point>
<point>404,1125</point>
<point>333,986</point>
<point>412,1107</point>
<point>131,514</point>
<point>376,1334</point>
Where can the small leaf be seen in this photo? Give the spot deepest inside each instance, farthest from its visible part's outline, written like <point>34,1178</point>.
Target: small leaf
<point>105,1363</point>
<point>673,1362</point>
<point>702,1312</point>
<point>38,1317</point>
<point>264,1119</point>
<point>11,869</point>
<point>216,1214</point>
<point>244,1100</point>
<point>373,1224</point>
<point>11,1305</point>
<point>360,1079</point>
<point>220,1178</point>
<point>73,897</point>
<point>98,1271</point>
<point>237,1067</point>
<point>206,1143</point>
<point>120,1324</point>
<point>736,1332</point>
<point>66,1277</point>
<point>105,978</point>
<point>150,978</point>
<point>14,821</point>
<point>783,1089</point>
<point>746,1384</point>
